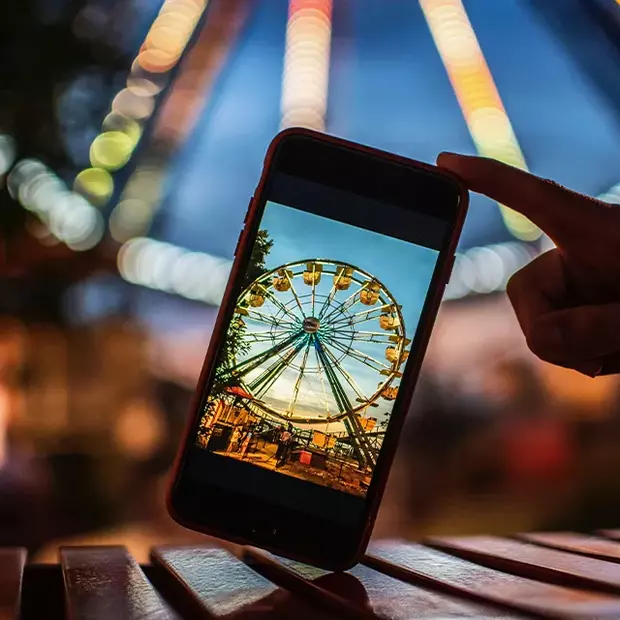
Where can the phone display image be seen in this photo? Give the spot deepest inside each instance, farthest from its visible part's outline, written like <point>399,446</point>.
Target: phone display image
<point>310,366</point>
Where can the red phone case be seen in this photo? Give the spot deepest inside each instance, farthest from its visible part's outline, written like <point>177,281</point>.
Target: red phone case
<point>427,321</point>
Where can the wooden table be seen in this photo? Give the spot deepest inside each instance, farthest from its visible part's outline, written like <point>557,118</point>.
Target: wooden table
<point>554,575</point>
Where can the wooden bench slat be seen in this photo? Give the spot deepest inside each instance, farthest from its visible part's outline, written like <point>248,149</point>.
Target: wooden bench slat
<point>106,583</point>
<point>445,572</point>
<point>367,593</point>
<point>534,562</point>
<point>12,563</point>
<point>574,542</point>
<point>222,586</point>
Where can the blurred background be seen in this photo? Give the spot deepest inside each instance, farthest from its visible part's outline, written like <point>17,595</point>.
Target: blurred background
<point>132,134</point>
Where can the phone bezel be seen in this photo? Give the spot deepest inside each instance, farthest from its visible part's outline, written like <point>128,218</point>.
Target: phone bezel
<point>364,171</point>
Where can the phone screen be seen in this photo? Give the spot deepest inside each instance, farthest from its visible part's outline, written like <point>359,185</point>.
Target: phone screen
<point>326,312</point>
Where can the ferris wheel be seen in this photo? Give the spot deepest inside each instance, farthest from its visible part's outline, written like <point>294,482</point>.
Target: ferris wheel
<point>324,340</point>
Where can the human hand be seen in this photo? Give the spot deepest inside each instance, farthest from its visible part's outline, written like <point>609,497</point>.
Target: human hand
<point>567,300</point>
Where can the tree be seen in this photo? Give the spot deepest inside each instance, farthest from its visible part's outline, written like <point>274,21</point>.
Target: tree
<point>260,251</point>
<point>235,344</point>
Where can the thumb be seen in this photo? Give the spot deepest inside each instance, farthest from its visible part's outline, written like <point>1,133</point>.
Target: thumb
<point>577,335</point>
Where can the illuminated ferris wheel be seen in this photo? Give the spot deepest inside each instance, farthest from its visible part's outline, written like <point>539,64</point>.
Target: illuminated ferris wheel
<point>324,340</point>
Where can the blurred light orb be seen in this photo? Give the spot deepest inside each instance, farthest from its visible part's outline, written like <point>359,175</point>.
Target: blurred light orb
<point>130,218</point>
<point>96,184</point>
<point>128,103</point>
<point>41,189</point>
<point>169,39</point>
<point>24,170</point>
<point>7,152</point>
<point>139,431</point>
<point>117,122</point>
<point>157,61</point>
<point>111,150</point>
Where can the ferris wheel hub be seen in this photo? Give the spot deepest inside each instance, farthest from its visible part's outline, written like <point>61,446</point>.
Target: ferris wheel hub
<point>311,325</point>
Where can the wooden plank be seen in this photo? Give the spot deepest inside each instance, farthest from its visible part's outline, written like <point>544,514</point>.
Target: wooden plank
<point>443,572</point>
<point>367,593</point>
<point>581,544</point>
<point>534,562</point>
<point>12,563</point>
<point>213,582</point>
<point>106,583</point>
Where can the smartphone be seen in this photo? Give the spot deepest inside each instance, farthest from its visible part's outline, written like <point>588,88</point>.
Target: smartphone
<point>337,279</point>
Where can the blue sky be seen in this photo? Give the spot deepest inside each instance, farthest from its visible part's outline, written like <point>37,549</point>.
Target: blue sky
<point>404,268</point>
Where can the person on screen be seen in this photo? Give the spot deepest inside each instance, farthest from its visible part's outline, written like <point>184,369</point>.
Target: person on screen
<point>567,300</point>
<point>278,438</point>
<point>286,441</point>
<point>233,445</point>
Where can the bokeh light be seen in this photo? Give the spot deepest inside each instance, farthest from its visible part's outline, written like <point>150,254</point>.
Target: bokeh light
<point>7,153</point>
<point>160,51</point>
<point>166,267</point>
<point>96,184</point>
<point>483,270</point>
<point>477,95</point>
<point>118,122</point>
<point>111,150</point>
<point>305,78</point>
<point>66,215</point>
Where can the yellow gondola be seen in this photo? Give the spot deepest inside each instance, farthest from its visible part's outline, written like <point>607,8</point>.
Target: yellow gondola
<point>312,275</point>
<point>256,298</point>
<point>343,279</point>
<point>369,295</point>
<point>282,281</point>
<point>389,393</point>
<point>389,321</point>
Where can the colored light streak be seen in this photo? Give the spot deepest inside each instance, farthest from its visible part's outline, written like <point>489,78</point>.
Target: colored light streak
<point>166,267</point>
<point>477,95</point>
<point>177,116</point>
<point>67,215</point>
<point>160,51</point>
<point>305,78</point>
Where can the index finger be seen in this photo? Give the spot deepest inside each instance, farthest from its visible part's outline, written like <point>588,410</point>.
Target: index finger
<point>558,211</point>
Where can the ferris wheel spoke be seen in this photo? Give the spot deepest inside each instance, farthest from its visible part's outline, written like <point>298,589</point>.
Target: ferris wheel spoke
<point>360,336</point>
<point>358,355</point>
<point>295,295</point>
<point>350,301</point>
<point>313,287</point>
<point>276,302</point>
<point>265,380</point>
<point>330,297</point>
<point>322,380</point>
<point>267,319</point>
<point>340,395</point>
<point>268,336</point>
<point>252,363</point>
<point>302,369</point>
<point>364,313</point>
<point>348,378</point>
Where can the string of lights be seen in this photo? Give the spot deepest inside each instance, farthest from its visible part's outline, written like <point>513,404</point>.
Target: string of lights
<point>142,194</point>
<point>165,267</point>
<point>160,51</point>
<point>67,215</point>
<point>305,78</point>
<point>477,95</point>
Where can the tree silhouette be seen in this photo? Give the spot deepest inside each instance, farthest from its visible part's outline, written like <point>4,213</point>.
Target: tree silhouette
<point>235,344</point>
